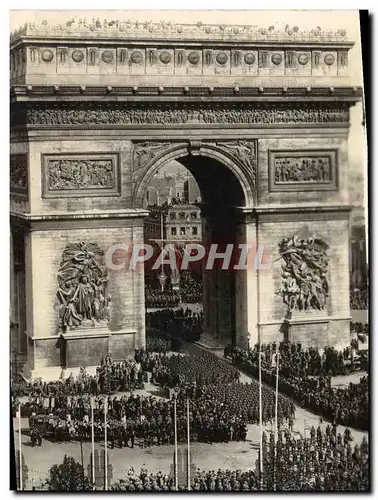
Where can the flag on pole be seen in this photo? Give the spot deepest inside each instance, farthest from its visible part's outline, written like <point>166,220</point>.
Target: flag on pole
<point>20,447</point>
<point>277,364</point>
<point>176,448</point>
<point>106,442</point>
<point>274,360</point>
<point>93,444</point>
<point>188,430</point>
<point>261,422</point>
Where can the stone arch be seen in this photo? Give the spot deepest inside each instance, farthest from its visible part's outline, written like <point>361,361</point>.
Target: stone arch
<point>227,154</point>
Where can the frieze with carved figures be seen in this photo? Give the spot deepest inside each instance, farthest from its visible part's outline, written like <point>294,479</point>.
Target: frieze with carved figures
<point>303,170</point>
<point>80,175</point>
<point>187,114</point>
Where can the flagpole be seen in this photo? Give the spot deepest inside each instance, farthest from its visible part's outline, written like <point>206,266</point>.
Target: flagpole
<point>93,445</point>
<point>276,421</point>
<point>19,447</point>
<point>176,451</point>
<point>261,422</point>
<point>162,246</point>
<point>188,431</point>
<point>106,443</point>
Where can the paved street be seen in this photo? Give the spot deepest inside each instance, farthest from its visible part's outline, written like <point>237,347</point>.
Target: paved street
<point>360,315</point>
<point>344,381</point>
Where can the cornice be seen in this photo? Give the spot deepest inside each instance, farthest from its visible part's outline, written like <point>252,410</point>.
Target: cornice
<point>176,43</point>
<point>89,220</point>
<point>110,214</point>
<point>282,209</point>
<point>57,93</point>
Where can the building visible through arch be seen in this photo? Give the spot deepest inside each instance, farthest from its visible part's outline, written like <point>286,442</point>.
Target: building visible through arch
<point>260,119</point>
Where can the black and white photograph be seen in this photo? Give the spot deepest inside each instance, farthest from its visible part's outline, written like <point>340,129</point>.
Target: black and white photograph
<point>189,268</point>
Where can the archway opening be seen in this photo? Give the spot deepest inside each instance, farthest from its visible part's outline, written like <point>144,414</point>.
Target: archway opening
<point>173,213</point>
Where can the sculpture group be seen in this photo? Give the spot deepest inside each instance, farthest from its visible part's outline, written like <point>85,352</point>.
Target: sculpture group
<point>304,273</point>
<point>82,292</point>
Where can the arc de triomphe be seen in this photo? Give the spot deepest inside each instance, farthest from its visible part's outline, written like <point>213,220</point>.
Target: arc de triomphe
<point>259,117</point>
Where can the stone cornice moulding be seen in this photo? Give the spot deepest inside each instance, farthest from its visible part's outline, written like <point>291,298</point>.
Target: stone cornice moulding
<point>299,208</point>
<point>305,320</point>
<point>110,214</point>
<point>187,94</point>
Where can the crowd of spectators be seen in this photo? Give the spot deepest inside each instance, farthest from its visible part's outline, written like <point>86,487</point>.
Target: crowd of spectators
<point>212,379</point>
<point>324,461</point>
<point>110,377</point>
<point>305,376</point>
<point>360,328</point>
<point>189,292</point>
<point>19,386</point>
<point>190,287</point>
<point>145,421</point>
<point>182,323</point>
<point>156,299</point>
<point>157,341</point>
<point>220,405</point>
<point>359,299</point>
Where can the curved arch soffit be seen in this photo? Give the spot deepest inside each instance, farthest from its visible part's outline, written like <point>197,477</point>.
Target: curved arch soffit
<point>243,175</point>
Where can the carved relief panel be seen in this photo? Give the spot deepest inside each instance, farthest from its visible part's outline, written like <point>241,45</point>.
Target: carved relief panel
<point>324,63</point>
<point>297,63</point>
<point>271,62</point>
<point>18,174</point>
<point>193,63</point>
<point>304,278</point>
<point>75,175</point>
<point>144,153</point>
<point>245,154</point>
<point>304,170</point>
<point>222,62</point>
<point>342,62</point>
<point>83,299</point>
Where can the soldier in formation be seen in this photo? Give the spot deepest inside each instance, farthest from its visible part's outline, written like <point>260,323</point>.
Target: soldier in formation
<point>305,375</point>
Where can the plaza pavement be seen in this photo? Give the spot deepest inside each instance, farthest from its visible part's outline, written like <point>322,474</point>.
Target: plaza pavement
<point>233,455</point>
